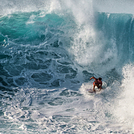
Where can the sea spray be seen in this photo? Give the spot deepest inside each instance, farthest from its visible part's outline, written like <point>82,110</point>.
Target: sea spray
<point>124,102</point>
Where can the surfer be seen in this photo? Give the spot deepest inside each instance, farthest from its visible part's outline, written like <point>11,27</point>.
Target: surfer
<point>97,83</point>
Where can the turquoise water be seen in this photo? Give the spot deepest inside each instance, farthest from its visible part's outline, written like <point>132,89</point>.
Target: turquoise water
<point>48,52</point>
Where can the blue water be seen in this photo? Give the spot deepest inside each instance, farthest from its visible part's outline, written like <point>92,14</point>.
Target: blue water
<point>48,52</point>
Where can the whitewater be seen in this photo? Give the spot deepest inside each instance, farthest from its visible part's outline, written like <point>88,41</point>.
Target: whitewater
<point>49,49</point>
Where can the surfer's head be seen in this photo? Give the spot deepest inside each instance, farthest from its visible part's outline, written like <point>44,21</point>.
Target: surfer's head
<point>100,78</point>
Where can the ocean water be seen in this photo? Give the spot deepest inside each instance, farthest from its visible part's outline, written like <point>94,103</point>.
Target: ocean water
<point>48,52</point>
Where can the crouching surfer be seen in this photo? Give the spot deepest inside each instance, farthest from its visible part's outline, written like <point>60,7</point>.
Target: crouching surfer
<point>97,82</point>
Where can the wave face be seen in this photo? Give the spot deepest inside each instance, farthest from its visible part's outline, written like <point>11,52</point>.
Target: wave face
<point>48,52</point>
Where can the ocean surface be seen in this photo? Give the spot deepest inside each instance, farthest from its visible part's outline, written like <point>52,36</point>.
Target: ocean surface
<point>48,51</point>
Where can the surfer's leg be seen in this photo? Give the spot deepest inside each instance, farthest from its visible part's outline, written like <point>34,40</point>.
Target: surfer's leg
<point>99,87</point>
<point>94,88</point>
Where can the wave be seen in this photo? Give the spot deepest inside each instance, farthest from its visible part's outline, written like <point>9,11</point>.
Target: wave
<point>49,51</point>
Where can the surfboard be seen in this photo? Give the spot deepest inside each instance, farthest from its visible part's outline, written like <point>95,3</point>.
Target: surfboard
<point>90,90</point>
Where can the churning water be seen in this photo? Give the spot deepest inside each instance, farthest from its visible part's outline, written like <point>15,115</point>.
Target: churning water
<point>48,51</point>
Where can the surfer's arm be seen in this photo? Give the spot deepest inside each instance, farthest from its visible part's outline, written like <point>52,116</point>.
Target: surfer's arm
<point>93,78</point>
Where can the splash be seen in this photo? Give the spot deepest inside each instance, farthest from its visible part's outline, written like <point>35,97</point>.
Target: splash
<point>124,104</point>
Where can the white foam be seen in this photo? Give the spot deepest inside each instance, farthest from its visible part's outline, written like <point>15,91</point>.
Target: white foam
<point>84,90</point>
<point>125,103</point>
<point>31,19</point>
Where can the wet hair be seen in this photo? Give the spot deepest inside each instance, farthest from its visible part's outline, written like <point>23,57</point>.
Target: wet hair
<point>100,78</point>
